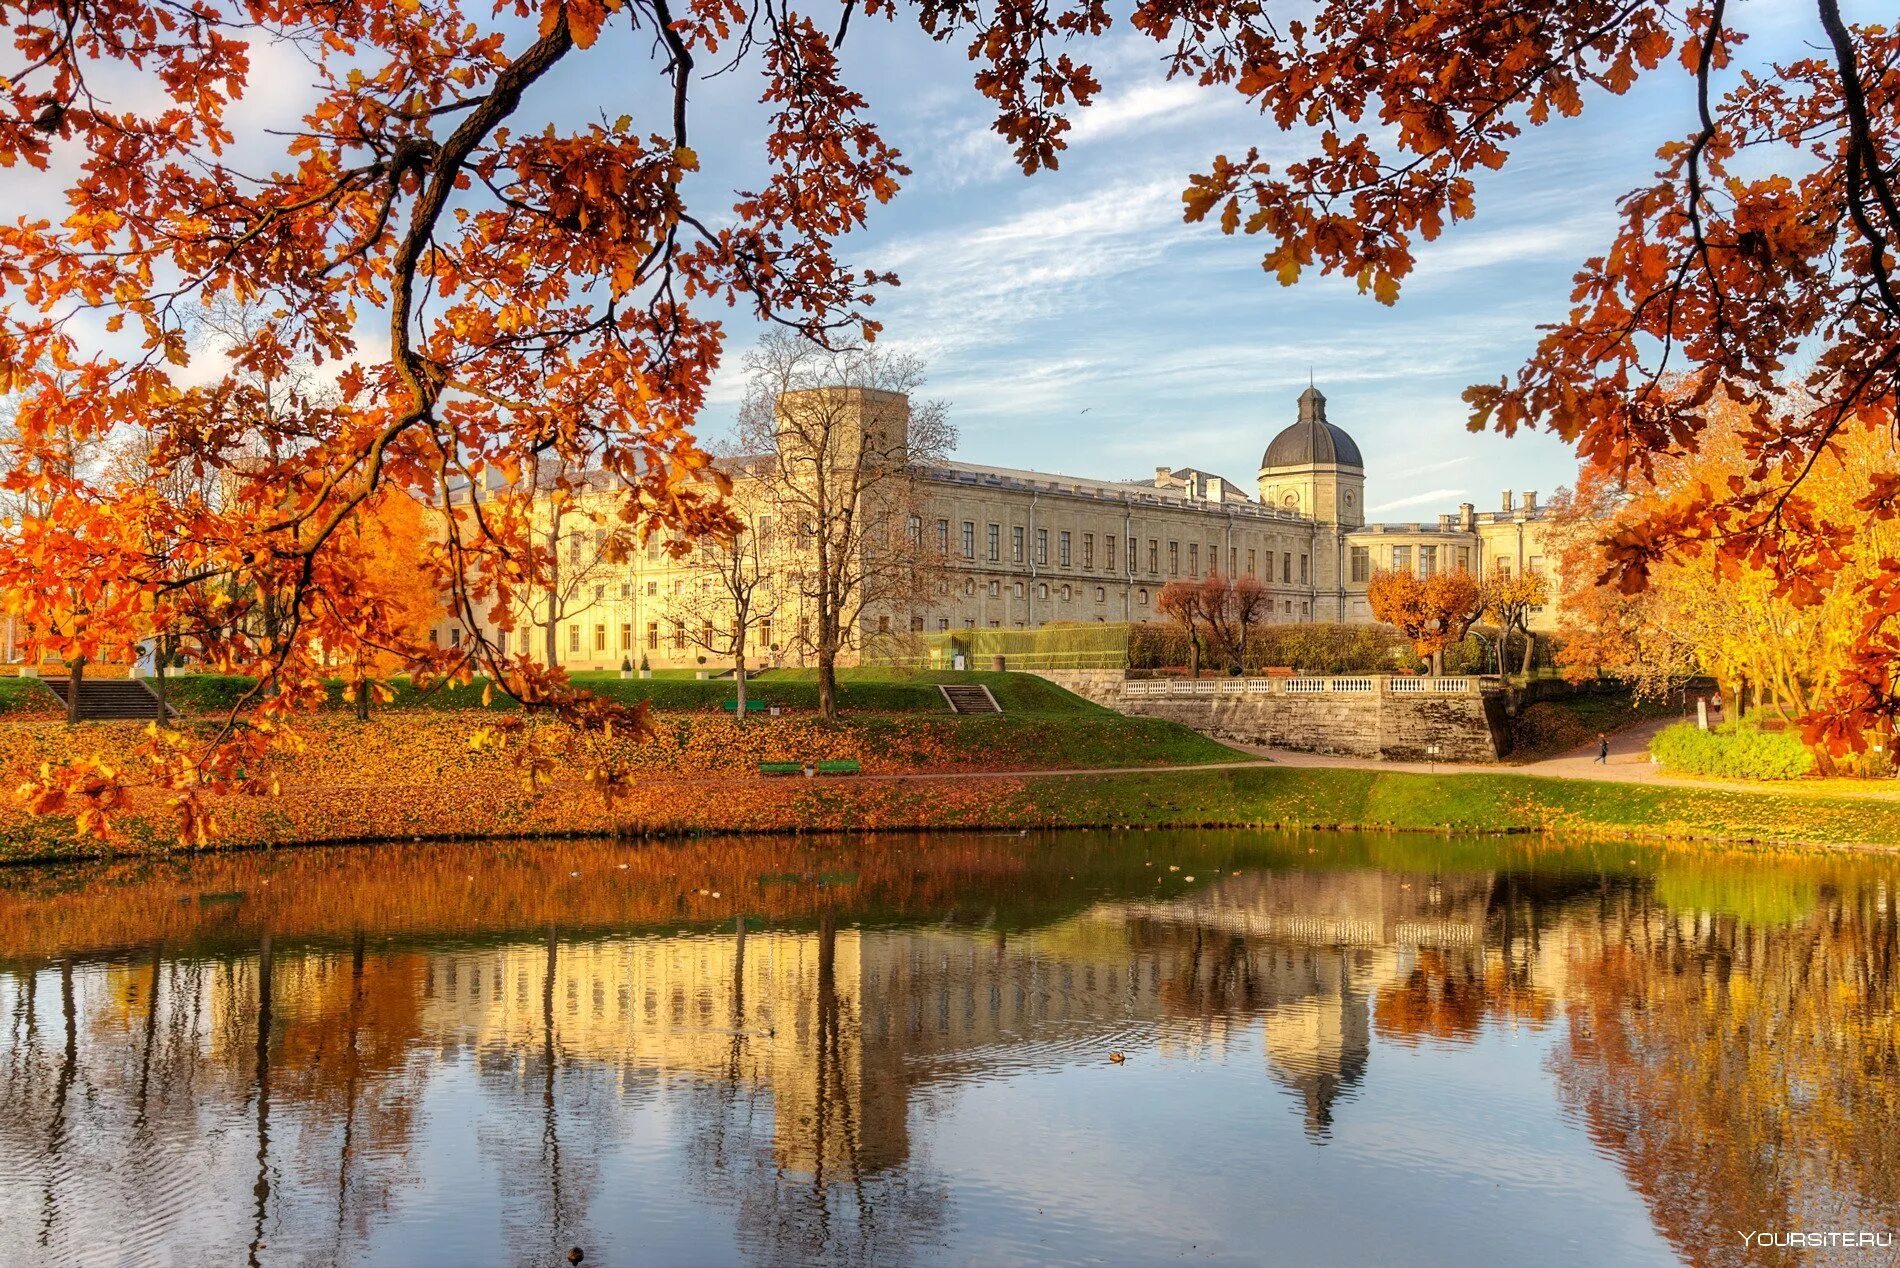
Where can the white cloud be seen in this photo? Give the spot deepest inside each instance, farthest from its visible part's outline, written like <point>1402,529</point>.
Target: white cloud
<point>1417,499</point>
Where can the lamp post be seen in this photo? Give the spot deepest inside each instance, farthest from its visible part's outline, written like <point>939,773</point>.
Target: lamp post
<point>1431,751</point>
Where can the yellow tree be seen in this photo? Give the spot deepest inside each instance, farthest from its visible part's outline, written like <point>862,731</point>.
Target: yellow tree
<point>1509,599</point>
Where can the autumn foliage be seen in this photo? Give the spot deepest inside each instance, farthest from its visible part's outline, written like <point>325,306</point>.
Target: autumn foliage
<point>1432,612</point>
<point>442,289</point>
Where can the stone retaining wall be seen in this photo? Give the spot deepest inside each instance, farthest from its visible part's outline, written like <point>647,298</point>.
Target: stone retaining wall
<point>1467,725</point>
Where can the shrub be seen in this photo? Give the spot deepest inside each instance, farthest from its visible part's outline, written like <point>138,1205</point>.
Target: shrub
<point>1306,648</point>
<point>1733,751</point>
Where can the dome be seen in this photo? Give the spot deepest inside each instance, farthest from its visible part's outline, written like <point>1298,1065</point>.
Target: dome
<point>1313,442</point>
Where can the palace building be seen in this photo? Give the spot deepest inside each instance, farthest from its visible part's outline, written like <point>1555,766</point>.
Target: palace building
<point>1018,549</point>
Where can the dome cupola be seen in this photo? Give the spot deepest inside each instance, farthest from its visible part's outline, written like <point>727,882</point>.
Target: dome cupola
<point>1312,441</point>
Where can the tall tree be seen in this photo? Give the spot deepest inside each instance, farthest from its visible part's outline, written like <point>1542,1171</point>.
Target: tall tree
<point>732,591</point>
<point>840,449</point>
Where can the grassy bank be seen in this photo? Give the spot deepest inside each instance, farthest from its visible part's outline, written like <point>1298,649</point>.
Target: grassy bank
<point>859,691</point>
<point>446,805</point>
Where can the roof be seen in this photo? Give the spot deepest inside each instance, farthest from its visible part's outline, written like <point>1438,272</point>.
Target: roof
<point>1312,441</point>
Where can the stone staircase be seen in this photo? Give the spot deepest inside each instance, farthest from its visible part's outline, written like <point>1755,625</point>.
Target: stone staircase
<point>969,698</point>
<point>109,699</point>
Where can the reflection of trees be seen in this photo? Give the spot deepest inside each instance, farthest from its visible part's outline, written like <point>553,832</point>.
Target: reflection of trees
<point>1745,1077</point>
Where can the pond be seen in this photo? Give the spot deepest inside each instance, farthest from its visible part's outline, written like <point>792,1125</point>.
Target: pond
<point>1123,1048</point>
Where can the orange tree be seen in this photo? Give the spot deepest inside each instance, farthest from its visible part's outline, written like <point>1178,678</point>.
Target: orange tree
<point>500,286</point>
<point>1433,612</point>
<point>1183,604</point>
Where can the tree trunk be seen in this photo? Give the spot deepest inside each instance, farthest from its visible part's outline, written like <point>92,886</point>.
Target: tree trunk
<point>76,676</point>
<point>828,681</point>
<point>1529,646</point>
<point>1194,656</point>
<point>160,656</point>
<point>552,647</point>
<point>362,697</point>
<point>738,675</point>
<point>1436,664</point>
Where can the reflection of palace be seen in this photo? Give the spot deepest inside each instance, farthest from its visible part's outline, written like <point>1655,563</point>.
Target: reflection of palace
<point>298,1093</point>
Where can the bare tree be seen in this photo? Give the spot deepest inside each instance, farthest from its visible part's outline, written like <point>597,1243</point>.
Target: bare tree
<point>585,545</point>
<point>731,591</point>
<point>840,448</point>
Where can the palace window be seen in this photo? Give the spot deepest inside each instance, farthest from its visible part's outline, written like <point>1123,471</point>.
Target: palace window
<point>943,536</point>
<point>1233,561</point>
<point>653,588</point>
<point>996,552</point>
<point>1253,562</point>
<point>1194,559</point>
<point>1042,546</point>
<point>1401,559</point>
<point>969,539</point>
<point>943,623</point>
<point>1088,550</point>
<point>1067,594</point>
<point>1154,557</point>
<point>1464,559</point>
<point>914,530</point>
<point>1286,567</point>
<point>1108,544</point>
<point>1305,571</point>
<point>969,585</point>
<point>1427,560</point>
<point>1016,544</point>
<point>573,638</point>
<point>1361,564</point>
<point>653,636</point>
<point>765,632</point>
<point>996,589</point>
<point>626,592</point>
<point>917,625</point>
<point>1017,589</point>
<point>1101,594</point>
<point>884,625</point>
<point>1141,597</point>
<point>1174,559</point>
<point>1042,590</point>
<point>1062,548</point>
<point>455,636</point>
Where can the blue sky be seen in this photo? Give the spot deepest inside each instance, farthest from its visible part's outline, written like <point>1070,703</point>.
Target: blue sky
<point>1075,324</point>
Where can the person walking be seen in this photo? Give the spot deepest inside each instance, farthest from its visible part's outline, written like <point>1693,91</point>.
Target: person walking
<point>1603,749</point>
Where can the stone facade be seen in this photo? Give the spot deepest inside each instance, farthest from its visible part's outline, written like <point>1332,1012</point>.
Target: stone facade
<point>1355,717</point>
<point>1017,549</point>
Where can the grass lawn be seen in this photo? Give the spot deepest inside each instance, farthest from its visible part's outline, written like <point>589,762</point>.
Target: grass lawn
<point>1334,796</point>
<point>26,695</point>
<point>859,691</point>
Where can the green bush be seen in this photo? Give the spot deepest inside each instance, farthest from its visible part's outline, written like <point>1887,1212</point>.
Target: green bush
<point>1305,648</point>
<point>1732,751</point>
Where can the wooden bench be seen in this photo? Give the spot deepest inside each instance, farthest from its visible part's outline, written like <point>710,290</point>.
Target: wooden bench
<point>751,706</point>
<point>840,766</point>
<point>781,768</point>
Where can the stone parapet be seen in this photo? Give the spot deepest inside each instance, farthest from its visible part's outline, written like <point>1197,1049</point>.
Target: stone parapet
<point>1375,715</point>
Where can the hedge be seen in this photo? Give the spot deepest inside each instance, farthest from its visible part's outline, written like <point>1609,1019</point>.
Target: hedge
<point>1733,751</point>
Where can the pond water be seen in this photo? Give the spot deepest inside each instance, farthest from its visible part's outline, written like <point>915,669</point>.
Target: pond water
<point>1126,1048</point>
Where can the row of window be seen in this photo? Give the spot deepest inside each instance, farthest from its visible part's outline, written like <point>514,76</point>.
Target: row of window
<point>1065,555</point>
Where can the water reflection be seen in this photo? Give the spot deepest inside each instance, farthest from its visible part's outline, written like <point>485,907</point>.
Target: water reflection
<point>897,1051</point>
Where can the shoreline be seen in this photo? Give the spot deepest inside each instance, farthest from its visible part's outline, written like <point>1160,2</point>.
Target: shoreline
<point>1255,796</point>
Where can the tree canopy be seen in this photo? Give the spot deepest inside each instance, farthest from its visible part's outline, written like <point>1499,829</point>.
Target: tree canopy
<point>488,287</point>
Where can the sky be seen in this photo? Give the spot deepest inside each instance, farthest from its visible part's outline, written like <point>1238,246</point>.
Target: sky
<point>1073,323</point>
